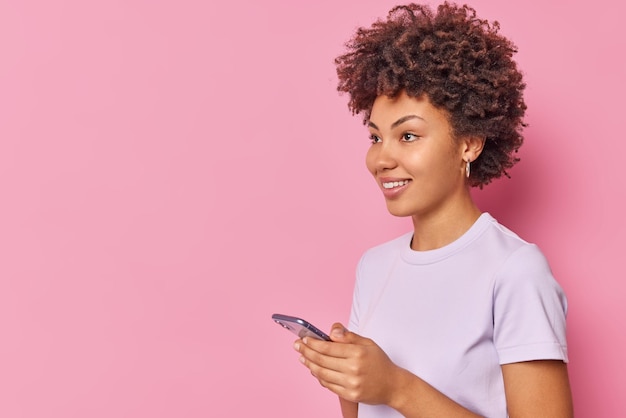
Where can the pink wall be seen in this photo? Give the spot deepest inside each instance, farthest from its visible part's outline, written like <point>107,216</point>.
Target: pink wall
<point>173,172</point>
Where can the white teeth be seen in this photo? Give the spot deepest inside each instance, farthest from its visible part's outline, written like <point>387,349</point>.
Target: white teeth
<point>392,184</point>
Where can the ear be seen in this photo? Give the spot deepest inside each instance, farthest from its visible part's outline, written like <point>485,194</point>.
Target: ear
<point>472,147</point>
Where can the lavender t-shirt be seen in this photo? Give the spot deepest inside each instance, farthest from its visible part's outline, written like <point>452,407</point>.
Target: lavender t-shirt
<point>453,315</point>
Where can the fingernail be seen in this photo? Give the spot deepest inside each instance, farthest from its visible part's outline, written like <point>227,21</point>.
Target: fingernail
<point>302,360</point>
<point>338,332</point>
<point>296,346</point>
<point>305,340</point>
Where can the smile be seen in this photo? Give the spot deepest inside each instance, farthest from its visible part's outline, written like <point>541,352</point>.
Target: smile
<point>392,184</point>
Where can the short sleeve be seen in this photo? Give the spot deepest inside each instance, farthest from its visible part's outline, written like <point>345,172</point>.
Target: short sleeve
<point>353,323</point>
<point>529,311</point>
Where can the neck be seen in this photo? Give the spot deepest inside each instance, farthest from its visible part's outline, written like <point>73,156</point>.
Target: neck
<point>441,227</point>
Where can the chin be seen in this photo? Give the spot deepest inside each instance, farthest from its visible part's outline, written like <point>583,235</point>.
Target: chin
<point>400,212</point>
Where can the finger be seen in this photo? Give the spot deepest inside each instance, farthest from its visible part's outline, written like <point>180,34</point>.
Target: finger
<point>337,382</point>
<point>331,379</point>
<point>330,349</point>
<point>339,390</point>
<point>338,332</point>
<point>341,334</point>
<point>310,357</point>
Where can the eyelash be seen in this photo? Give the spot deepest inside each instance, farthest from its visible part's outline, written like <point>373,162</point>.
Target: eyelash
<point>405,137</point>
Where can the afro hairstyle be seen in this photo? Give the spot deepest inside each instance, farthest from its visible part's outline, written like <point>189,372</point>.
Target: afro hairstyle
<point>460,62</point>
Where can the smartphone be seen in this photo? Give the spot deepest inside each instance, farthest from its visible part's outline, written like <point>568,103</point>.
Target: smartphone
<point>300,327</point>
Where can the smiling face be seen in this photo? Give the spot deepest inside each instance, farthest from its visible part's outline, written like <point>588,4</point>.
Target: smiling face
<point>414,158</point>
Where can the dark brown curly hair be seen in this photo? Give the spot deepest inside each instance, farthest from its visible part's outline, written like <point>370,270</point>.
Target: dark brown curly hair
<point>459,61</point>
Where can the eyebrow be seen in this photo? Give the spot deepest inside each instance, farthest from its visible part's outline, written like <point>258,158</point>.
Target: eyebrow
<point>398,122</point>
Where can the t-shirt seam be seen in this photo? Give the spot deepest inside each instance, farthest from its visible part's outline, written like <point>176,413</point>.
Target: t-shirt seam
<point>555,343</point>
<point>497,274</point>
<point>452,253</point>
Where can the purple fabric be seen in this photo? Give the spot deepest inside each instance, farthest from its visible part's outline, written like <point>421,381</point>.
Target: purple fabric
<point>453,315</point>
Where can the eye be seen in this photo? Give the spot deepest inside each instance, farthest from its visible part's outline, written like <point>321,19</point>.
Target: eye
<point>408,137</point>
<point>375,139</point>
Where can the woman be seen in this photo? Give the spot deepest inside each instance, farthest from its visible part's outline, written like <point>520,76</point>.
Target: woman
<point>459,317</point>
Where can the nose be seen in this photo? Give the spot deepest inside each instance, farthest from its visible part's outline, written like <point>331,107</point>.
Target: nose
<point>381,157</point>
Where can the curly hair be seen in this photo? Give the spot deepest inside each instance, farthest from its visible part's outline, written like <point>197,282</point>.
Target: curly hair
<point>461,63</point>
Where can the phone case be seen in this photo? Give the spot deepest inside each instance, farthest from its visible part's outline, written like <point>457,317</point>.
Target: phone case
<point>299,326</point>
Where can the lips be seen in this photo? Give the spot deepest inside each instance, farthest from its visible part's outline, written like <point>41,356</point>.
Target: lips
<point>392,187</point>
<point>392,184</point>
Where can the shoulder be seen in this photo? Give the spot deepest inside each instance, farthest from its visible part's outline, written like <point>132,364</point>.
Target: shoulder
<point>524,281</point>
<point>525,264</point>
<point>386,250</point>
<point>511,250</point>
<point>516,262</point>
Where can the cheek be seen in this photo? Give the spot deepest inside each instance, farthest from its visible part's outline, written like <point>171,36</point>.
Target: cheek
<point>370,159</point>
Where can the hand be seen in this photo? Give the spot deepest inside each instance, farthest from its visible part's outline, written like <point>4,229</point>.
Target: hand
<point>358,370</point>
<point>353,367</point>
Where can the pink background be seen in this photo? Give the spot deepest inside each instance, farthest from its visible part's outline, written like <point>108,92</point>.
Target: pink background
<point>174,172</point>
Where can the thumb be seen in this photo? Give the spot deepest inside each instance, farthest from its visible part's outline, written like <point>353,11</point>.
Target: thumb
<point>339,333</point>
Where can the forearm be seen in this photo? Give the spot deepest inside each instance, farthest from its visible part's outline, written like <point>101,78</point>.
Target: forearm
<point>414,398</point>
<point>348,409</point>
<point>538,388</point>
